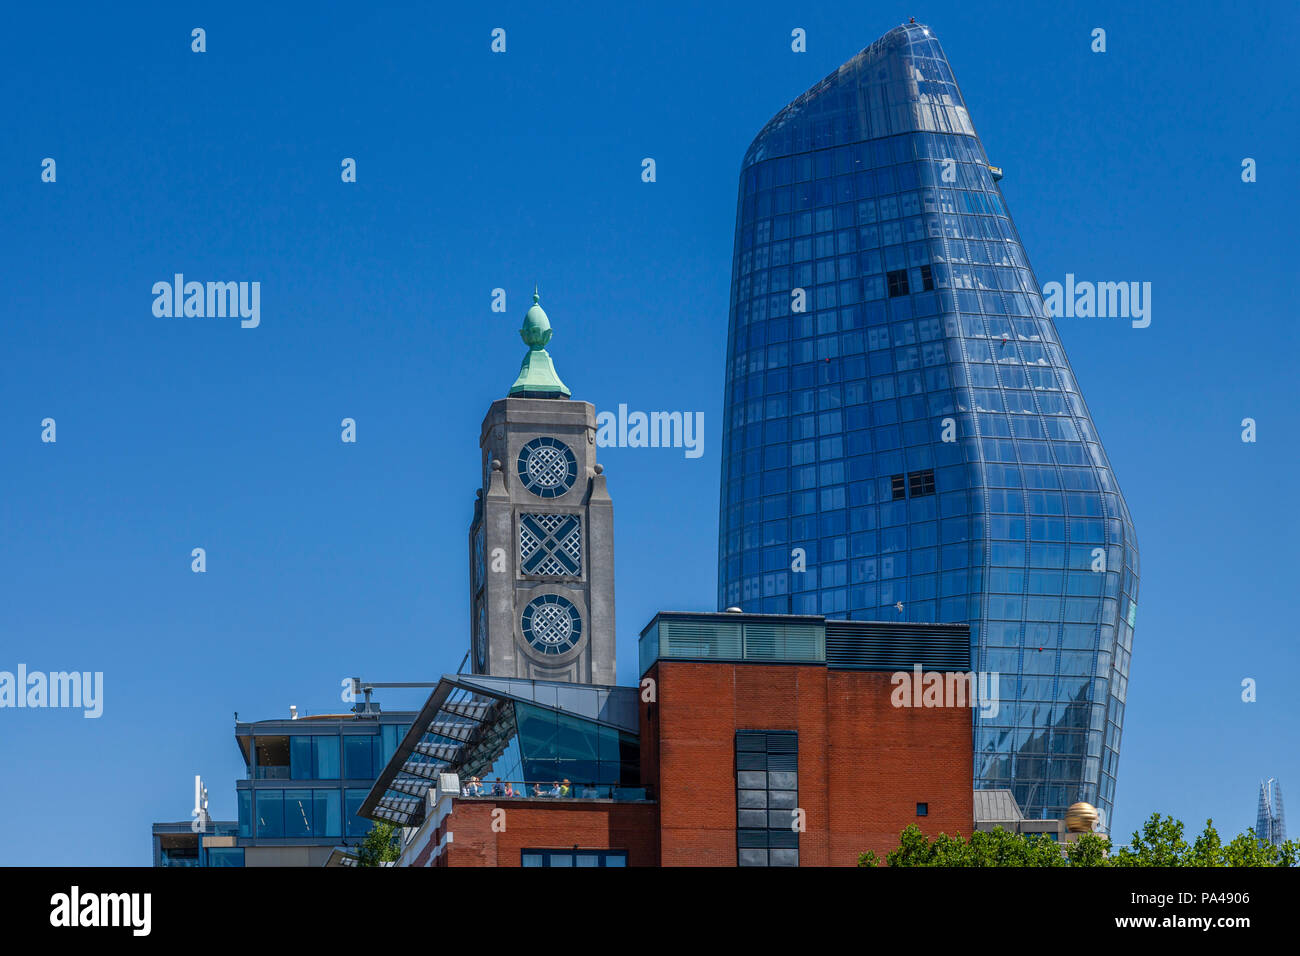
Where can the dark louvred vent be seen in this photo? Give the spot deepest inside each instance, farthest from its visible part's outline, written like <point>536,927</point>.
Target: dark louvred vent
<point>871,645</point>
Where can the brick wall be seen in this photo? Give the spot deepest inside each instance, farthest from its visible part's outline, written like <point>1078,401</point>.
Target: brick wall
<point>548,824</point>
<point>863,763</point>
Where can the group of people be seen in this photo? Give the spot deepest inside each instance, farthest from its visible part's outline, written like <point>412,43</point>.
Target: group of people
<point>474,787</point>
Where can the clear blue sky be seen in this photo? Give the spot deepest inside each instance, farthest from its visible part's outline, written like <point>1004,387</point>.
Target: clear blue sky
<point>478,171</point>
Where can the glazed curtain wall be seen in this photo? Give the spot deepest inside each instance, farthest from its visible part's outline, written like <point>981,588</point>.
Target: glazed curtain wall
<point>915,435</point>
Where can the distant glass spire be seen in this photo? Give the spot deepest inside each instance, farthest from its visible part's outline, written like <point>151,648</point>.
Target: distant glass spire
<point>537,376</point>
<point>1270,823</point>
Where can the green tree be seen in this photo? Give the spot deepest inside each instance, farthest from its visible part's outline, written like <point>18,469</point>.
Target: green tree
<point>1246,850</point>
<point>995,848</point>
<point>1159,843</point>
<point>381,845</point>
<point>1288,854</point>
<point>950,851</point>
<point>1207,849</point>
<point>1001,848</point>
<point>913,849</point>
<point>1090,849</point>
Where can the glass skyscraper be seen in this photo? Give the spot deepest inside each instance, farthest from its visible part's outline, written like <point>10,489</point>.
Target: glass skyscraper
<point>1270,821</point>
<point>904,438</point>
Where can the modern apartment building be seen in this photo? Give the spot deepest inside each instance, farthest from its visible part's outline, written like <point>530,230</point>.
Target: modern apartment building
<point>304,783</point>
<point>904,437</point>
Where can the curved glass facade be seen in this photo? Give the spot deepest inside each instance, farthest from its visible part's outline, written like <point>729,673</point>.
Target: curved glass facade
<point>901,421</point>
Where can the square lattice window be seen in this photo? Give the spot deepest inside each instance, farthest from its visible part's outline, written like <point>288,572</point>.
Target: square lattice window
<point>550,545</point>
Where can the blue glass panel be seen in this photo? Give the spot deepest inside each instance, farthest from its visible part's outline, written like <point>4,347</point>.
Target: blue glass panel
<point>300,758</point>
<point>358,757</point>
<point>327,820</point>
<point>326,756</point>
<point>355,826</point>
<point>297,813</point>
<point>270,813</point>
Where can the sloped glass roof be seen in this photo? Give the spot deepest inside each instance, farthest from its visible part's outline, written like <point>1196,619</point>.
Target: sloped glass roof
<point>538,731</point>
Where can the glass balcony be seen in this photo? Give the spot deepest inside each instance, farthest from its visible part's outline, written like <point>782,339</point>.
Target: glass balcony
<point>550,790</point>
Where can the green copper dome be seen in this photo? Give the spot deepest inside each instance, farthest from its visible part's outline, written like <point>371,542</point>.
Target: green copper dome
<point>537,327</point>
<point>537,378</point>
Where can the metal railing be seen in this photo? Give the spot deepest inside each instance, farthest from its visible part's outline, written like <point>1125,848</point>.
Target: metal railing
<point>271,773</point>
<point>550,790</point>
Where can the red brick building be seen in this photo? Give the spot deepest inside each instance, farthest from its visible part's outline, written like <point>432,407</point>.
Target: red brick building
<point>527,825</point>
<point>759,740</point>
<point>864,766</point>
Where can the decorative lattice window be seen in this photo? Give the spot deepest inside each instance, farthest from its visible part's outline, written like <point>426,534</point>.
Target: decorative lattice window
<point>551,624</point>
<point>547,467</point>
<point>550,545</point>
<point>480,635</point>
<point>479,565</point>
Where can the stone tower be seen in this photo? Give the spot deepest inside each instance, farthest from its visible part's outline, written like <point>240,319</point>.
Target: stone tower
<point>542,538</point>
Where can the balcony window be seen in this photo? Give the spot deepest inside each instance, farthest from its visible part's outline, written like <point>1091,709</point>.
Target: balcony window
<point>300,749</point>
<point>356,826</point>
<point>326,818</point>
<point>358,758</point>
<point>325,756</point>
<point>297,813</point>
<point>390,736</point>
<point>314,757</point>
<point>270,813</point>
<point>273,761</point>
<point>178,849</point>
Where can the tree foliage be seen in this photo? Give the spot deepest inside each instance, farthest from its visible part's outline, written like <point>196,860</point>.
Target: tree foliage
<point>1089,850</point>
<point>381,845</point>
<point>1160,842</point>
<point>996,848</point>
